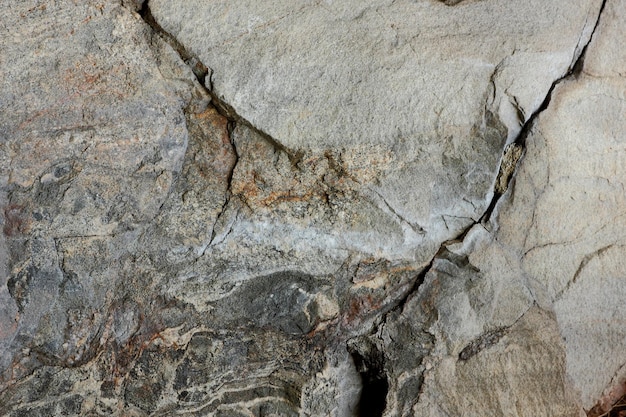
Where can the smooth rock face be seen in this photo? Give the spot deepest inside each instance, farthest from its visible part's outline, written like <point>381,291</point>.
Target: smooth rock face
<point>557,247</point>
<point>317,74</point>
<point>358,208</point>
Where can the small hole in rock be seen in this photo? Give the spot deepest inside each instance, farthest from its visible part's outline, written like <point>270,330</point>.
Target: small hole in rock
<point>369,362</point>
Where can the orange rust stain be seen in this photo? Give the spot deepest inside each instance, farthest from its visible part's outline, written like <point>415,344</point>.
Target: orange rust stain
<point>125,356</point>
<point>368,270</point>
<point>277,197</point>
<point>82,82</point>
<point>247,189</point>
<point>361,306</point>
<point>217,148</point>
<point>253,188</point>
<point>216,120</point>
<point>91,79</point>
<point>319,328</point>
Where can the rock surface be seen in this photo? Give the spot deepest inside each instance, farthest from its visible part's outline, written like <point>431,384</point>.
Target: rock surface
<point>359,208</point>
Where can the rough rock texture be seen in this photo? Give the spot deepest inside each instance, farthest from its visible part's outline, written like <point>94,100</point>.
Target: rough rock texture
<point>414,100</point>
<point>358,208</point>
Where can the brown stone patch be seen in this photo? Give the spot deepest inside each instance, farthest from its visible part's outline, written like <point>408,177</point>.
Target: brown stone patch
<point>612,404</point>
<point>16,220</point>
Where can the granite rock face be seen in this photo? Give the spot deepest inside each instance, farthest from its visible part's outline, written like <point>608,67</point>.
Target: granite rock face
<point>314,208</point>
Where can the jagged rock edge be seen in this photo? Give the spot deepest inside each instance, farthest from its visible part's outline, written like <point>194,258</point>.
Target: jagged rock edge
<point>520,140</point>
<point>573,71</point>
<point>204,75</point>
<point>201,73</point>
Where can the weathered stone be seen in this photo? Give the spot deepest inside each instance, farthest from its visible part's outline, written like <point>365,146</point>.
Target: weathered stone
<point>415,113</point>
<point>316,208</point>
<point>558,238</point>
<point>317,74</point>
<point>92,141</point>
<point>521,374</point>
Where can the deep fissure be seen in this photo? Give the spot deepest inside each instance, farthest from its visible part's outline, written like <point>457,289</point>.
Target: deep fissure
<point>520,141</point>
<point>204,75</point>
<point>375,383</point>
<point>370,364</point>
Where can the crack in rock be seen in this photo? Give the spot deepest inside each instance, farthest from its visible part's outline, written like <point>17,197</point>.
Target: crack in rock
<point>510,162</point>
<point>451,2</point>
<point>204,76</point>
<point>482,342</point>
<point>583,263</point>
<point>370,359</point>
<point>489,338</point>
<point>229,180</point>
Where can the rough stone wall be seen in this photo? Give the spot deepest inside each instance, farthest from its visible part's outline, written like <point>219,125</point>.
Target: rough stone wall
<point>312,208</point>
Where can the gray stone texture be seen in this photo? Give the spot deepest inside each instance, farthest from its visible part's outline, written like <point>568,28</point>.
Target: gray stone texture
<point>312,208</point>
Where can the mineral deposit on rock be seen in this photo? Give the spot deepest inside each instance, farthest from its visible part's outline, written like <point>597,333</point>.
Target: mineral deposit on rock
<point>312,208</point>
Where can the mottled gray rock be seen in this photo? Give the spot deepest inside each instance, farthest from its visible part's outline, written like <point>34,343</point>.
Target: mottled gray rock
<point>91,145</point>
<point>313,208</point>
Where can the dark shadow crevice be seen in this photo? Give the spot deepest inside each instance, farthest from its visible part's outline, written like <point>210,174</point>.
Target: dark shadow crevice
<point>370,363</point>
<point>204,75</point>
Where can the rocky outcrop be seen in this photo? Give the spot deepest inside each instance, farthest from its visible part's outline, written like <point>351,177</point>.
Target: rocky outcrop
<point>372,208</point>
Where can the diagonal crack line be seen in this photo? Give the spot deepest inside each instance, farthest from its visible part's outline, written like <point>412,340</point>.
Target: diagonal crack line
<point>415,227</point>
<point>198,69</point>
<point>573,71</point>
<point>583,264</point>
<point>229,192</point>
<point>519,141</point>
<point>201,72</point>
<point>204,75</point>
